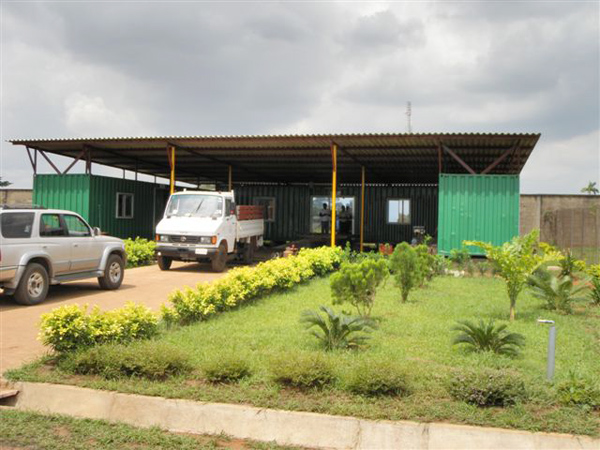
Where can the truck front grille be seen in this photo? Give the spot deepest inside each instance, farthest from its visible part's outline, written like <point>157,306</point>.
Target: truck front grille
<point>184,239</point>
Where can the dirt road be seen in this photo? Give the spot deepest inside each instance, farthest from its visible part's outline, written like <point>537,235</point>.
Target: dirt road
<point>147,285</point>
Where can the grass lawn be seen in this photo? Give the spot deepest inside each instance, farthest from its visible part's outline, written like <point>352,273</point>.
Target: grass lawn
<point>19,429</point>
<point>416,336</point>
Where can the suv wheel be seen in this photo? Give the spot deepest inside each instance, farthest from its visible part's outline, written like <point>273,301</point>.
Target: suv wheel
<point>164,262</point>
<point>33,286</point>
<point>113,273</point>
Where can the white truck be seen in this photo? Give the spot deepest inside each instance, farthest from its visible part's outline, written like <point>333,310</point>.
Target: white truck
<point>207,225</point>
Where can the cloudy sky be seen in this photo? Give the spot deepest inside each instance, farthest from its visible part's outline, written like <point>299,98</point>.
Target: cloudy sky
<point>90,69</point>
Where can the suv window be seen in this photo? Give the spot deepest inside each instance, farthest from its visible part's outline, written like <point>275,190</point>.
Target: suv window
<point>16,225</point>
<point>50,226</point>
<point>76,226</point>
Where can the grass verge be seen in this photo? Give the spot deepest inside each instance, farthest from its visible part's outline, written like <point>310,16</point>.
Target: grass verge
<point>415,336</point>
<point>19,429</point>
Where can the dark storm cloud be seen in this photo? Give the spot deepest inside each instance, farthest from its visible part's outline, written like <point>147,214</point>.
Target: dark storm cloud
<point>131,68</point>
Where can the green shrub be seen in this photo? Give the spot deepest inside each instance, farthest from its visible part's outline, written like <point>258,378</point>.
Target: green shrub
<point>516,260</point>
<point>483,268</point>
<point>337,330</point>
<point>225,369</point>
<point>594,294</point>
<point>488,387</point>
<point>375,378</point>
<point>440,264</point>
<point>145,359</point>
<point>406,269</point>
<point>557,291</point>
<point>302,371</point>
<point>70,327</point>
<point>460,256</point>
<point>487,337</point>
<point>240,285</point>
<point>427,263</point>
<point>569,265</point>
<point>140,251</point>
<point>357,283</point>
<point>579,391</point>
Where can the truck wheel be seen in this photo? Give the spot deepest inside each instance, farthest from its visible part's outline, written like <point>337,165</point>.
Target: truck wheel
<point>219,260</point>
<point>113,273</point>
<point>249,251</point>
<point>164,262</point>
<point>33,286</point>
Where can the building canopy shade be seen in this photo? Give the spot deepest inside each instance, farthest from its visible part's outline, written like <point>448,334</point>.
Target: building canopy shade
<point>387,158</point>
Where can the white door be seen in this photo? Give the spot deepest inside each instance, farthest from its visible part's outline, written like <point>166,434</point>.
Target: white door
<point>85,251</point>
<point>229,225</point>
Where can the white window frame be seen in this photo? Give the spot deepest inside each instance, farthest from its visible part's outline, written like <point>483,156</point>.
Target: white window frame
<point>121,196</point>
<point>255,200</point>
<point>387,211</point>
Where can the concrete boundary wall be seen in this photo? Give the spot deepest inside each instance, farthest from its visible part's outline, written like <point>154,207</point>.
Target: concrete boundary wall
<point>283,427</point>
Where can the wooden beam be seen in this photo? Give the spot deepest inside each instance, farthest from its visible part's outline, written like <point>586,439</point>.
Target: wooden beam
<point>50,162</point>
<point>459,160</point>
<point>500,159</point>
<point>439,159</point>
<point>31,160</point>
<point>74,162</point>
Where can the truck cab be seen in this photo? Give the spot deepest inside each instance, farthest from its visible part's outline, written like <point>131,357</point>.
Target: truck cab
<point>207,225</point>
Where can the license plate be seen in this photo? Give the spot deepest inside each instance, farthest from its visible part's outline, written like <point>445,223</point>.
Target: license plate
<point>201,251</point>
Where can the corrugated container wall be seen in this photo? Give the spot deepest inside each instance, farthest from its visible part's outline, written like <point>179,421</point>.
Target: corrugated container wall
<point>477,207</point>
<point>70,192</point>
<point>95,198</point>
<point>293,209</point>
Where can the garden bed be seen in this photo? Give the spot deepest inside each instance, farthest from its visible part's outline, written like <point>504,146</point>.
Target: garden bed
<point>415,337</point>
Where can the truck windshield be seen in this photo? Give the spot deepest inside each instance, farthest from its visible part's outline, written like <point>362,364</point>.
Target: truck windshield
<point>194,205</point>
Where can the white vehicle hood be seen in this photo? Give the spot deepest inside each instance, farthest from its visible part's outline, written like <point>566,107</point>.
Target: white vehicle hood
<point>195,226</point>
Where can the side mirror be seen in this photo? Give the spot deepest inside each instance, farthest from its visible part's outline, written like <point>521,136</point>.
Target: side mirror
<point>96,231</point>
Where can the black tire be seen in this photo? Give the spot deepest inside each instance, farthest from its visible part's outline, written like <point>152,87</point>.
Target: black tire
<point>33,286</point>
<point>249,252</point>
<point>113,273</point>
<point>218,262</point>
<point>164,262</point>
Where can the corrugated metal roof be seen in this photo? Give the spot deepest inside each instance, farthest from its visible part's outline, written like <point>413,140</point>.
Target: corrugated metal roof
<point>388,157</point>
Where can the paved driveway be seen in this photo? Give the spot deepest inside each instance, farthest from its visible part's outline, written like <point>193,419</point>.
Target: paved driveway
<point>147,285</point>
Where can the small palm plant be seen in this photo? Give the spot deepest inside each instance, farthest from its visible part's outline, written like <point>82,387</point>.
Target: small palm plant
<point>488,337</point>
<point>595,291</point>
<point>338,330</point>
<point>558,292</point>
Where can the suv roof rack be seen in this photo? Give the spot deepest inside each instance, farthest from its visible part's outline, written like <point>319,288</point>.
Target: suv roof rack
<point>21,206</point>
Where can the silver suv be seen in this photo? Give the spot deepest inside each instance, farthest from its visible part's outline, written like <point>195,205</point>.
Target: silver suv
<point>40,247</point>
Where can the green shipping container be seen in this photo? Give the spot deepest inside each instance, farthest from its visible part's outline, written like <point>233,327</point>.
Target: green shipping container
<point>95,198</point>
<point>477,207</point>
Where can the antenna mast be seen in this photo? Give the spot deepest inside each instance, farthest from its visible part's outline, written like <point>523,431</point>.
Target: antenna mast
<point>408,117</point>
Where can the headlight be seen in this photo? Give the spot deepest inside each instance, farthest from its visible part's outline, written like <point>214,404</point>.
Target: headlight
<point>164,238</point>
<point>205,239</point>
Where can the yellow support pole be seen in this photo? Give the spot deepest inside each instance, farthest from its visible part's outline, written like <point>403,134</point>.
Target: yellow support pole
<point>230,184</point>
<point>362,208</point>
<point>333,191</point>
<point>171,154</point>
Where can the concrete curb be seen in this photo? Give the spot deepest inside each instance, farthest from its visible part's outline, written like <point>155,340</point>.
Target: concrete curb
<point>283,427</point>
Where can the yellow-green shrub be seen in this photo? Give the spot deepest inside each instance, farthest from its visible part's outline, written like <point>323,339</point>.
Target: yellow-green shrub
<point>140,251</point>
<point>242,284</point>
<point>70,327</point>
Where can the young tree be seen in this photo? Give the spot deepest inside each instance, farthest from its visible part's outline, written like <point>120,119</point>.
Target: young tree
<point>357,283</point>
<point>591,188</point>
<point>407,269</point>
<point>516,261</point>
